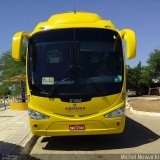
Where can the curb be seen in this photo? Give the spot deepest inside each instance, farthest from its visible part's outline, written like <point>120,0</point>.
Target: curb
<point>30,144</point>
<point>25,153</point>
<point>151,114</point>
<point>27,145</point>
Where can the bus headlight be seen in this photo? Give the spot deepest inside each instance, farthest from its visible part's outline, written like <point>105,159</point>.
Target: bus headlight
<point>116,113</point>
<point>36,115</point>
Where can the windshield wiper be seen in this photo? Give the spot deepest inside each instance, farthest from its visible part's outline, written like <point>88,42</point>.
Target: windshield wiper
<point>98,90</point>
<point>95,88</point>
<point>37,90</point>
<point>53,89</point>
<point>55,86</point>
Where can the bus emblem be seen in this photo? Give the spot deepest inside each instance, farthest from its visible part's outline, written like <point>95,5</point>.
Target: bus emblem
<point>74,108</point>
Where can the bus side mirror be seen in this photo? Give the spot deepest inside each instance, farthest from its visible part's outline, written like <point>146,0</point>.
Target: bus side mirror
<point>129,36</point>
<point>17,44</point>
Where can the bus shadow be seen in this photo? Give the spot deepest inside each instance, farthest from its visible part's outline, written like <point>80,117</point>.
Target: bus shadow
<point>135,134</point>
<point>9,151</point>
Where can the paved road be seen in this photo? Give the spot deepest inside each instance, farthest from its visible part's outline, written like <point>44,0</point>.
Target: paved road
<point>14,131</point>
<point>142,136</point>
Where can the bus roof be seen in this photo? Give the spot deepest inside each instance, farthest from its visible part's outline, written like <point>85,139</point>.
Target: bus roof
<point>74,20</point>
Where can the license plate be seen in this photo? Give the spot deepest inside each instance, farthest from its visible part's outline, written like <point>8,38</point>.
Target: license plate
<point>76,127</point>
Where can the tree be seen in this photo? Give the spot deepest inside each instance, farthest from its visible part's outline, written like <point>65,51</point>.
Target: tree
<point>10,68</point>
<point>4,89</point>
<point>138,78</point>
<point>154,64</point>
<point>142,76</point>
<point>146,77</point>
<point>133,76</point>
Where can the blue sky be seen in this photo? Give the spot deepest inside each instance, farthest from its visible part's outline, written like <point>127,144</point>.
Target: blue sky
<point>143,16</point>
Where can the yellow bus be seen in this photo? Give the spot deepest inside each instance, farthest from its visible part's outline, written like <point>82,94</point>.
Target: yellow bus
<point>75,74</point>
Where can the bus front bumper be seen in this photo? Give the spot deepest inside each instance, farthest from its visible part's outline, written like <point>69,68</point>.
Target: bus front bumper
<point>78,127</point>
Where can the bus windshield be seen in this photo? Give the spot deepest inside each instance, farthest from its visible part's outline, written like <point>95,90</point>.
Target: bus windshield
<point>75,62</point>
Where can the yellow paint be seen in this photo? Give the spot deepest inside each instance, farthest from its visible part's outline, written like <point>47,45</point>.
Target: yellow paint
<point>70,20</point>
<point>17,44</point>
<point>19,106</point>
<point>130,39</point>
<point>95,109</point>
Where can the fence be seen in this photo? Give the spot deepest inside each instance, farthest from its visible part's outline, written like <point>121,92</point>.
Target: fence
<point>6,100</point>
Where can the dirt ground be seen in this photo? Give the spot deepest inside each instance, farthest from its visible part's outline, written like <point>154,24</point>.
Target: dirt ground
<point>145,105</point>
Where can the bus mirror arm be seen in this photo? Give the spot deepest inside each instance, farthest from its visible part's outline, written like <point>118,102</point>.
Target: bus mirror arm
<point>17,44</point>
<point>129,36</point>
